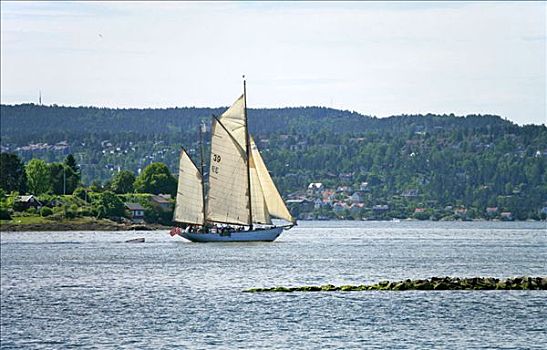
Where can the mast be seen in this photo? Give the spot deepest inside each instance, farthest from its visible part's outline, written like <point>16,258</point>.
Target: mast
<point>201,131</point>
<point>247,147</point>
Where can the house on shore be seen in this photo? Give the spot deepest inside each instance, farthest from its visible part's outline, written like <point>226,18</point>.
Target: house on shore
<point>162,201</point>
<point>26,202</point>
<point>136,212</point>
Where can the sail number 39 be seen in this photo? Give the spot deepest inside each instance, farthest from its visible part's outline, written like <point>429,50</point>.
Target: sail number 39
<point>216,158</point>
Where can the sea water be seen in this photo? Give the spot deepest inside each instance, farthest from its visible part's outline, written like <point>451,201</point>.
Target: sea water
<point>91,290</point>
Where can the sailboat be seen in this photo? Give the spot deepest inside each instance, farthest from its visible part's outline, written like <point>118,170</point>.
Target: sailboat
<point>242,198</point>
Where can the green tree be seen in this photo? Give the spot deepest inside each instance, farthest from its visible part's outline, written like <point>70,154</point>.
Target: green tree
<point>12,173</point>
<point>109,205</point>
<point>38,179</point>
<point>4,207</point>
<point>80,192</point>
<point>63,179</point>
<point>123,182</point>
<point>96,186</point>
<point>156,178</point>
<point>71,162</point>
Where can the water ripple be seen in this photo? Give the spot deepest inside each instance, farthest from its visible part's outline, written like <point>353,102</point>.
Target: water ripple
<point>79,290</point>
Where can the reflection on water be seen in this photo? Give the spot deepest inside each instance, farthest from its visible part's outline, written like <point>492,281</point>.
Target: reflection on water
<point>92,290</point>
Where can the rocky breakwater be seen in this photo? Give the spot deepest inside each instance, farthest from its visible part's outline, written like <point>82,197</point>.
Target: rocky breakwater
<point>434,283</point>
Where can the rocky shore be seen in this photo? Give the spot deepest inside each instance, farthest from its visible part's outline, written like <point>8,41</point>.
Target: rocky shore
<point>434,283</point>
<point>95,225</point>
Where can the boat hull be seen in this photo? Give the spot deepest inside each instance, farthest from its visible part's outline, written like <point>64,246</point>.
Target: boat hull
<point>266,235</point>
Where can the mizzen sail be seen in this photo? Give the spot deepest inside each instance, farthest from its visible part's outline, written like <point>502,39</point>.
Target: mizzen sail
<point>189,203</point>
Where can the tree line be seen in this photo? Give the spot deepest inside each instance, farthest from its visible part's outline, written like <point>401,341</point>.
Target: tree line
<point>38,177</point>
<point>444,160</point>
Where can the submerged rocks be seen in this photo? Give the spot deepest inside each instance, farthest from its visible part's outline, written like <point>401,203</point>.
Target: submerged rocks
<point>434,283</point>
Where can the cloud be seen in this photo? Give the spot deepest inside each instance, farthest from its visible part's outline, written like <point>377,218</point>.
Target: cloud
<point>373,57</point>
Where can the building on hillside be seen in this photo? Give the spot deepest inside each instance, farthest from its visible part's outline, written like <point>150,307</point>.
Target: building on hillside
<point>380,208</point>
<point>339,207</point>
<point>136,212</point>
<point>506,215</point>
<point>162,202</point>
<point>344,189</point>
<point>329,196</point>
<point>460,212</point>
<point>357,197</point>
<point>320,203</point>
<point>346,176</point>
<point>411,193</point>
<point>356,209</point>
<point>26,202</point>
<point>315,188</point>
<point>492,211</point>
<point>303,205</point>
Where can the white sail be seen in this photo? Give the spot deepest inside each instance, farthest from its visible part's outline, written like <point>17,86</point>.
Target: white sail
<point>234,121</point>
<point>228,199</point>
<point>258,202</point>
<point>274,203</point>
<point>265,198</point>
<point>189,203</point>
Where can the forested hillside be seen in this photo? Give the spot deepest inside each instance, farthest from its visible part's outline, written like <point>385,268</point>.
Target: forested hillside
<point>413,160</point>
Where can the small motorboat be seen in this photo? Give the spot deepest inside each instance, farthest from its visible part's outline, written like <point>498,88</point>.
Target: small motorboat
<point>135,240</point>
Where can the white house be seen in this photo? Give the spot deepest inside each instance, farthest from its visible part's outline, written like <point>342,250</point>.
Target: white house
<point>315,187</point>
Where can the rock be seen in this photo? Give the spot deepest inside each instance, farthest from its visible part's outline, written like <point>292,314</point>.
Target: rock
<point>422,285</point>
<point>328,288</point>
<point>501,285</point>
<point>382,285</point>
<point>310,289</point>
<point>441,286</point>
<point>347,288</point>
<point>543,283</point>
<point>435,283</point>
<point>399,286</point>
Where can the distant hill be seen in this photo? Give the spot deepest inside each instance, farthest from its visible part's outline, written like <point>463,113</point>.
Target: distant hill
<point>29,120</point>
<point>474,160</point>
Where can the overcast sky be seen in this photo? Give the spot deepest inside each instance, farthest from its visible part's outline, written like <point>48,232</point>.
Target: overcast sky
<point>371,57</point>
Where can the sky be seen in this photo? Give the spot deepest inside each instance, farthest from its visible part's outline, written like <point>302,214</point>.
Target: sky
<point>375,58</point>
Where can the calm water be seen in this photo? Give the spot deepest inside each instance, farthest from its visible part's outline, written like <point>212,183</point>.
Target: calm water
<point>91,290</point>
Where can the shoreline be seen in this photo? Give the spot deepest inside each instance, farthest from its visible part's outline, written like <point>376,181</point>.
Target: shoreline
<point>109,225</point>
<point>95,225</point>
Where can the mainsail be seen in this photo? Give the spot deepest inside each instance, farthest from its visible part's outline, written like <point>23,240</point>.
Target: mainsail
<point>235,122</point>
<point>189,204</point>
<point>265,198</point>
<point>228,197</point>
